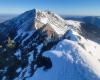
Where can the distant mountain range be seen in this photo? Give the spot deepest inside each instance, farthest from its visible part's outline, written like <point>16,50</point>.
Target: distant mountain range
<point>4,17</point>
<point>41,45</point>
<point>93,20</point>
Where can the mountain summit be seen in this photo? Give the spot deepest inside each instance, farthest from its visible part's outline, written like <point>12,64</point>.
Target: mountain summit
<point>40,45</point>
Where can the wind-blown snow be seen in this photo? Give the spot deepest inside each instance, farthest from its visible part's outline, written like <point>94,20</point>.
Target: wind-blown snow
<point>72,60</point>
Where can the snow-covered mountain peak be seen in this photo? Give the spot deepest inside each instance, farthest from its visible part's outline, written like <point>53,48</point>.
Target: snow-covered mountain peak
<point>31,49</point>
<point>50,20</point>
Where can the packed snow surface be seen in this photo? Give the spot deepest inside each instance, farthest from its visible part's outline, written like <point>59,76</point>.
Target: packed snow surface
<point>72,61</point>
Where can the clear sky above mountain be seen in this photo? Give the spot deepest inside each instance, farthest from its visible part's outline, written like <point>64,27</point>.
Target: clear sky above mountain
<point>64,7</point>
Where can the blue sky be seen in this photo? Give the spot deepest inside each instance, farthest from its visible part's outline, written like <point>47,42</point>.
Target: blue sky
<point>64,7</point>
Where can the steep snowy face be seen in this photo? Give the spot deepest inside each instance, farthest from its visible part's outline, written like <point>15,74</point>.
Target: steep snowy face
<point>34,19</point>
<point>73,58</point>
<point>17,25</point>
<point>50,20</point>
<point>70,62</point>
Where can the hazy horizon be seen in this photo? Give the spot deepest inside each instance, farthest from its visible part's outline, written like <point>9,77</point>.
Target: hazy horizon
<point>69,15</point>
<point>62,7</point>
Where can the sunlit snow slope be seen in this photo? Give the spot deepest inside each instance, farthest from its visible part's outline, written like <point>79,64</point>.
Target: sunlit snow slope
<point>74,59</point>
<point>40,45</point>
